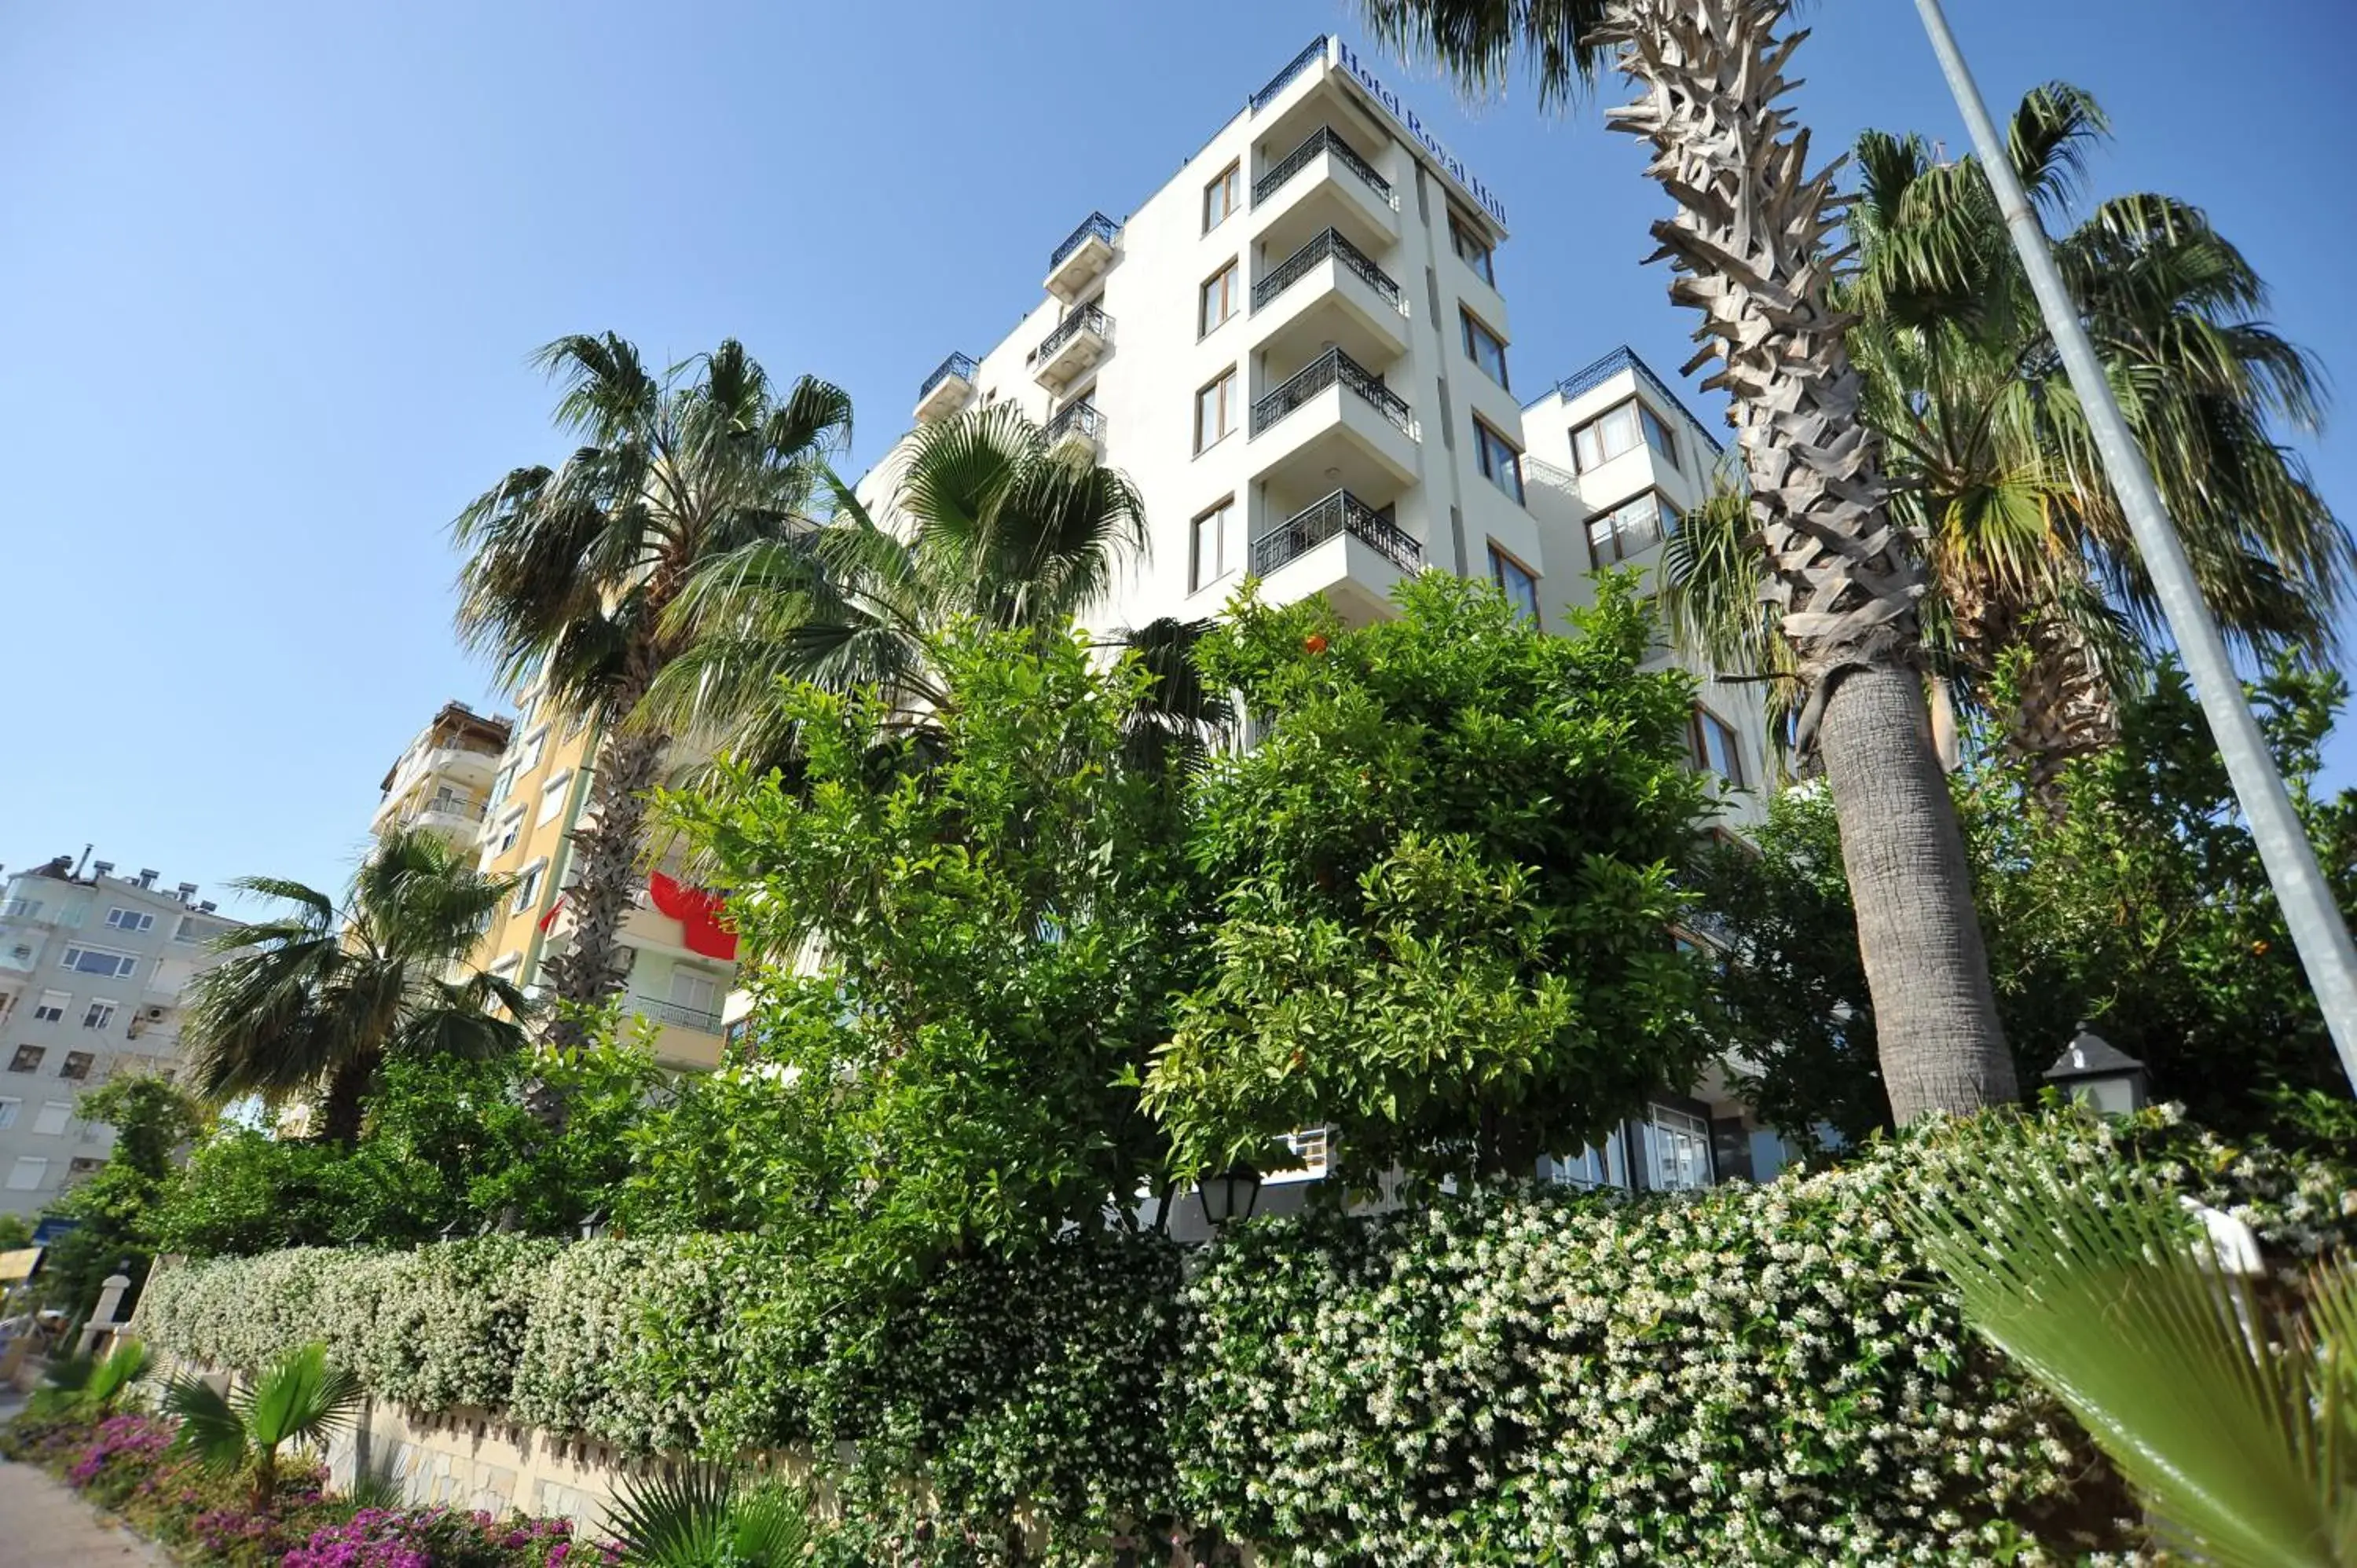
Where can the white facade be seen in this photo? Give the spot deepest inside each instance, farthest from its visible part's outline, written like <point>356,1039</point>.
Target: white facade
<point>93,969</point>
<point>443,780</point>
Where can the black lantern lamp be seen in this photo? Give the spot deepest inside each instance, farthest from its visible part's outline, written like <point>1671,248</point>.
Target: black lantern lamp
<point>1228,1195</point>
<point>2099,1075</point>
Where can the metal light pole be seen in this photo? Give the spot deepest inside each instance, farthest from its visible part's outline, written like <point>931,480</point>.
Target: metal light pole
<point>2316,928</point>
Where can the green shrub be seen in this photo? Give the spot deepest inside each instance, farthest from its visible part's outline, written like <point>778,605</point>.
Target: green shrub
<point>1754,1374</point>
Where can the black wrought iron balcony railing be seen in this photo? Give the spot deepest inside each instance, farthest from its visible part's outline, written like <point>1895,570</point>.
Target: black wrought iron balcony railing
<point>1321,140</point>
<point>1095,223</point>
<point>1311,53</point>
<point>1332,367</point>
<point>1092,319</point>
<point>1328,243</point>
<point>1320,521</point>
<point>959,365</point>
<point>1080,419</point>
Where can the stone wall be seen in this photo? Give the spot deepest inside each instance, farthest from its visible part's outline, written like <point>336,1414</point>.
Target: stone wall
<point>477,1459</point>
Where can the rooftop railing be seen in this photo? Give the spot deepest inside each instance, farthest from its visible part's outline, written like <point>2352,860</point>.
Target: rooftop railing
<point>1311,53</point>
<point>1593,375</point>
<point>1329,243</point>
<point>1320,521</point>
<point>1095,223</point>
<point>1325,370</point>
<point>1322,140</point>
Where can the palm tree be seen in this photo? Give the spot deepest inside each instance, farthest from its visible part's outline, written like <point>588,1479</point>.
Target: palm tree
<point>572,571</point>
<point>2234,1421</point>
<point>703,1516</point>
<point>90,1386</point>
<point>1748,244</point>
<point>320,996</point>
<point>989,518</point>
<point>300,1400</point>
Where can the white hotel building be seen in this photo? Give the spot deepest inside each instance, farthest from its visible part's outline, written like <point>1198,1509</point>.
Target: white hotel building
<point>1297,350</point>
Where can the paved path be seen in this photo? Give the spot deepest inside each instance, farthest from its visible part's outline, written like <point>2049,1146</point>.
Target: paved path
<point>44,1525</point>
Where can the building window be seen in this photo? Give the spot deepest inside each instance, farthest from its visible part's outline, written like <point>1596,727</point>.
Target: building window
<point>696,993</point>
<point>504,782</point>
<point>1522,587</point>
<point>1219,300</point>
<point>1627,529</point>
<point>1484,347</point>
<point>20,908</point>
<point>82,1165</point>
<point>1472,248</point>
<point>1715,747</point>
<point>552,796</point>
<point>28,1173</point>
<point>190,929</point>
<point>130,920</point>
<point>77,1065</point>
<point>1215,411</point>
<point>99,1016</point>
<point>53,1006</point>
<point>1501,463</point>
<point>100,961</point>
<point>1618,430</point>
<point>1598,1164</point>
<point>1220,196</point>
<point>1208,552</point>
<point>510,831</point>
<point>527,888</point>
<point>533,744</point>
<point>26,1058</point>
<point>51,1118</point>
<point>9,1109</point>
<point>1678,1150</point>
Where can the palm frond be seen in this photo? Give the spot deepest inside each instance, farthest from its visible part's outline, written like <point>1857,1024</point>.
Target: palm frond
<point>302,1399</point>
<point>210,1429</point>
<point>1478,42</point>
<point>123,1366</point>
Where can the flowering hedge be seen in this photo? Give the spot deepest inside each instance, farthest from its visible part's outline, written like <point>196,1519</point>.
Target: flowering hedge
<point>1752,1374</point>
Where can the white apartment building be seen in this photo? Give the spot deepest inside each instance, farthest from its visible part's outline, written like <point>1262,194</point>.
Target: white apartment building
<point>92,971</point>
<point>1298,351</point>
<point>443,777</point>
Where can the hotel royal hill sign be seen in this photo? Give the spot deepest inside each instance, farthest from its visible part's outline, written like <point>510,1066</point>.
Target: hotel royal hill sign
<point>1348,58</point>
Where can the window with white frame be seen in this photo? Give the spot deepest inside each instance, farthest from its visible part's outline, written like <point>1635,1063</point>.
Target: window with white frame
<point>1597,1165</point>
<point>695,991</point>
<point>51,1118</point>
<point>527,888</point>
<point>20,908</point>
<point>1634,526</point>
<point>28,1173</point>
<point>511,828</point>
<point>9,1109</point>
<point>99,1014</point>
<point>502,782</point>
<point>131,919</point>
<point>100,961</point>
<point>552,796</point>
<point>528,757</point>
<point>52,1006</point>
<point>1677,1150</point>
<point>1213,550</point>
<point>1618,430</point>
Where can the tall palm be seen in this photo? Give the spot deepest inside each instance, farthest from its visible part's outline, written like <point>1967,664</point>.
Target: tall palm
<point>322,996</point>
<point>573,572</point>
<point>2029,548</point>
<point>988,519</point>
<point>2236,1423</point>
<point>1747,243</point>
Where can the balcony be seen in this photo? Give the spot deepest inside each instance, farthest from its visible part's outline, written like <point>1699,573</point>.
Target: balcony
<point>1077,343</point>
<point>1340,547</point>
<point>1337,418</point>
<point>1329,294</point>
<point>1084,257</point>
<point>458,819</point>
<point>947,389</point>
<point>703,1021</point>
<point>1324,183</point>
<point>1080,425</point>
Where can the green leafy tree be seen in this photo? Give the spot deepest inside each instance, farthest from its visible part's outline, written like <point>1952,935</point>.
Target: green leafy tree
<point>318,997</point>
<point>1445,887</point>
<point>301,1400</point>
<point>16,1231</point>
<point>572,572</point>
<point>1747,238</point>
<point>115,1210</point>
<point>980,927</point>
<point>2142,906</point>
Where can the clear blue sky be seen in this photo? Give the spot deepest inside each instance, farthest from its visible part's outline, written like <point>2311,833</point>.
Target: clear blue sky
<point>269,275</point>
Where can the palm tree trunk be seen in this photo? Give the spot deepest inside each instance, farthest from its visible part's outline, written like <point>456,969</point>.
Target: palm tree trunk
<point>604,877</point>
<point>1750,243</point>
<point>344,1106</point>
